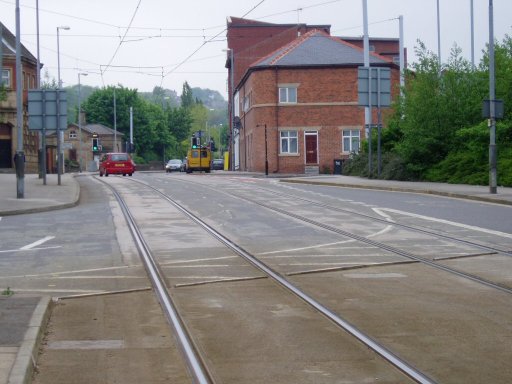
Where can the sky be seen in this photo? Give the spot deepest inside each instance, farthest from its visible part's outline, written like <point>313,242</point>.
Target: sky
<point>141,44</point>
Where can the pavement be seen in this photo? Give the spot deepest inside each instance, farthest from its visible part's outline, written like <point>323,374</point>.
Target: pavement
<point>23,317</point>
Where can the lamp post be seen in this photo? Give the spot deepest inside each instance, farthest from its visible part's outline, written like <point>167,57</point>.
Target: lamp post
<point>232,98</point>
<point>80,121</point>
<point>59,132</point>
<point>492,107</point>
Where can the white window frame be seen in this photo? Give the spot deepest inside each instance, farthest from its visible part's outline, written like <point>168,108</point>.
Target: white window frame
<point>287,94</point>
<point>6,77</point>
<point>287,140</point>
<point>350,136</point>
<point>72,134</point>
<point>236,102</point>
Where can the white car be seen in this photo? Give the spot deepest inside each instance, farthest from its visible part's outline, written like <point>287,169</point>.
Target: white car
<point>173,165</point>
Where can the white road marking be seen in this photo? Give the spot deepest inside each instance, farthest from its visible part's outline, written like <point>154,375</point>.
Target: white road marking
<point>55,274</point>
<point>30,249</point>
<point>460,225</point>
<point>36,243</point>
<point>303,248</point>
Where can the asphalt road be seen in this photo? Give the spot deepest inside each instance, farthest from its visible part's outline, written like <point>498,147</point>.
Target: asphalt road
<point>437,321</point>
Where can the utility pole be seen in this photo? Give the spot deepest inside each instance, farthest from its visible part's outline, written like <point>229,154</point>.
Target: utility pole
<point>19,158</point>
<point>367,110</point>
<point>492,107</point>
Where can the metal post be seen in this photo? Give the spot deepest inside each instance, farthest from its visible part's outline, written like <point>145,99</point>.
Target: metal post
<point>367,110</point>
<point>378,124</point>
<point>42,150</point>
<point>472,36</point>
<point>438,37</point>
<point>492,107</point>
<point>59,137</point>
<point>80,121</point>
<point>115,149</point>
<point>401,55</point>
<point>131,130</point>
<point>232,60</point>
<point>266,154</point>
<point>19,158</point>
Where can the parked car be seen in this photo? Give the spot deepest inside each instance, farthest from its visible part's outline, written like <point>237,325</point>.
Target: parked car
<point>116,164</point>
<point>173,165</point>
<point>218,164</point>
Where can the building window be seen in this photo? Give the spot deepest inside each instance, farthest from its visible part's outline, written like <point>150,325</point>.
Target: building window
<point>6,78</point>
<point>72,134</point>
<point>247,102</point>
<point>351,140</point>
<point>288,94</point>
<point>289,142</point>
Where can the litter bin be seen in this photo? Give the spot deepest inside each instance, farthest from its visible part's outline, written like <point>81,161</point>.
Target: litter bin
<point>337,166</point>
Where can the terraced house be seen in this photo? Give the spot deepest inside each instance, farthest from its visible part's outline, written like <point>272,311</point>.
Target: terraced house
<point>8,107</point>
<point>295,97</point>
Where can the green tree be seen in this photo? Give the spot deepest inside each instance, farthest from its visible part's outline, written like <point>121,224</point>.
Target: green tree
<point>437,102</point>
<point>187,97</point>
<point>150,129</point>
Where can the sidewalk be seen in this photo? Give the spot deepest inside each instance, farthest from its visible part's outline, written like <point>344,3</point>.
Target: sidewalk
<point>37,196</point>
<point>22,316</point>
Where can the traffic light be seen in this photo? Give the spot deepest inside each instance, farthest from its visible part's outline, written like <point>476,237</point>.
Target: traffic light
<point>195,142</point>
<point>95,142</point>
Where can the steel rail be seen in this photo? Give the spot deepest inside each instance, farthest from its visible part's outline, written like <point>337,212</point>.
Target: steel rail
<point>388,355</point>
<point>386,247</point>
<point>378,219</point>
<point>196,366</point>
<point>405,226</point>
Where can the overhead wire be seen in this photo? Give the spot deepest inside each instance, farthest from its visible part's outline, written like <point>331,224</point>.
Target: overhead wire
<point>121,42</point>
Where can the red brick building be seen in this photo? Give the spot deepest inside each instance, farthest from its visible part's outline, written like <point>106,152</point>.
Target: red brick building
<point>8,107</point>
<point>299,84</point>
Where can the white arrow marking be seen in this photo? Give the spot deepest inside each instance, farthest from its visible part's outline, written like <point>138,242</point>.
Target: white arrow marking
<point>36,243</point>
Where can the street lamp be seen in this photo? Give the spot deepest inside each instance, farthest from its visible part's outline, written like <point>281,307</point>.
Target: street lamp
<point>80,121</point>
<point>232,97</point>
<point>60,134</point>
<point>65,27</point>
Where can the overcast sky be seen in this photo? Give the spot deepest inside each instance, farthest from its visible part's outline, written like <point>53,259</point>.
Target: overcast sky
<point>146,43</point>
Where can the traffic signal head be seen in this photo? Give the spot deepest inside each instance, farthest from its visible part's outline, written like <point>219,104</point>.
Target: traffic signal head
<point>195,142</point>
<point>95,146</point>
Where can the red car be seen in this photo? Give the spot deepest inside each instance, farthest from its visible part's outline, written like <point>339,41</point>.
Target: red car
<point>116,163</point>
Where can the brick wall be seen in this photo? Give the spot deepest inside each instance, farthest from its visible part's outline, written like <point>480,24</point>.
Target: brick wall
<point>327,103</point>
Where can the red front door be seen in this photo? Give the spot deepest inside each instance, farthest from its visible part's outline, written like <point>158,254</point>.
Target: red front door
<point>311,148</point>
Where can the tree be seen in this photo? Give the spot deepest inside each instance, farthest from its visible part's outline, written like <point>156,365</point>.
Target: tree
<point>187,98</point>
<point>150,131</point>
<point>437,102</point>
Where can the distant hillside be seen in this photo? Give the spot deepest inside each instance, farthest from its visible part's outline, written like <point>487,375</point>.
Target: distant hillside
<point>210,99</point>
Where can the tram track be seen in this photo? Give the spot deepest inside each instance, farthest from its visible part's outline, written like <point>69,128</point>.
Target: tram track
<point>195,362</point>
<point>374,243</point>
<point>196,365</point>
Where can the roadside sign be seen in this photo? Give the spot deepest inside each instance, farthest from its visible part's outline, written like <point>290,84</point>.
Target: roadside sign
<point>378,85</point>
<point>47,107</point>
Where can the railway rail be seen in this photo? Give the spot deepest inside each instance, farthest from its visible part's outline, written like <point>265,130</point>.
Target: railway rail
<point>283,279</point>
<point>193,358</point>
<point>378,244</point>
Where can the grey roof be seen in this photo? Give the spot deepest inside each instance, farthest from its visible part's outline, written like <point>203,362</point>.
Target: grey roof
<point>317,48</point>
<point>100,129</point>
<point>8,41</point>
